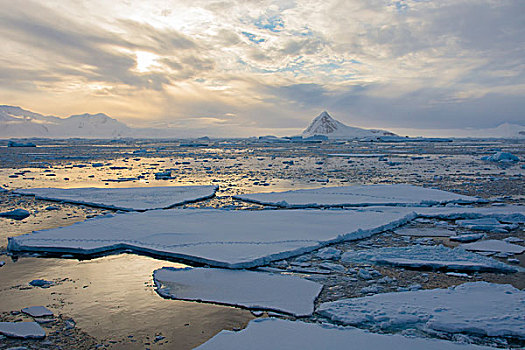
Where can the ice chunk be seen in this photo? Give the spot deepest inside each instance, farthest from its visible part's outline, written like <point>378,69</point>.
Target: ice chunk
<point>249,289</point>
<point>128,199</point>
<point>429,257</point>
<point>472,237</point>
<point>37,311</point>
<point>41,283</point>
<point>480,308</point>
<point>271,333</point>
<point>328,254</point>
<point>17,214</point>
<point>493,245</point>
<point>503,157</point>
<point>234,239</point>
<point>424,232</point>
<point>358,195</point>
<point>486,224</point>
<point>510,213</point>
<point>25,330</point>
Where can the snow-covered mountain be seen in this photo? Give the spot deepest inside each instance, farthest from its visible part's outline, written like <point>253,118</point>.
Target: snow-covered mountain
<point>18,122</point>
<point>325,125</point>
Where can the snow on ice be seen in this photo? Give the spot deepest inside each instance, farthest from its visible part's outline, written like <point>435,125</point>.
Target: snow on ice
<point>221,238</point>
<point>271,333</point>
<point>430,257</point>
<point>25,330</point>
<point>128,199</point>
<point>249,289</point>
<point>358,195</point>
<point>481,308</point>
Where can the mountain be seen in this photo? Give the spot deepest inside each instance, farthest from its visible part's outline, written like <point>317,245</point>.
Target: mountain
<point>325,125</point>
<point>18,122</point>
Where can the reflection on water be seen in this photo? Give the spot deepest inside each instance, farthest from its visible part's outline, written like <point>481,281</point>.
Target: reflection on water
<point>113,297</point>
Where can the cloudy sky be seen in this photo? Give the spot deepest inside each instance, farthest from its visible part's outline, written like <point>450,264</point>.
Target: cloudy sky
<point>255,67</point>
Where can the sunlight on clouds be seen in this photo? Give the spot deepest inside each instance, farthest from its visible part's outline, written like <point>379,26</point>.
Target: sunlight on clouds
<point>146,61</point>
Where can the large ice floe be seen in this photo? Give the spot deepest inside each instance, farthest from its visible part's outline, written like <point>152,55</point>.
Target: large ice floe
<point>25,330</point>
<point>281,334</point>
<point>494,245</point>
<point>358,195</point>
<point>428,257</point>
<point>221,238</point>
<point>127,199</point>
<point>249,289</point>
<point>480,308</point>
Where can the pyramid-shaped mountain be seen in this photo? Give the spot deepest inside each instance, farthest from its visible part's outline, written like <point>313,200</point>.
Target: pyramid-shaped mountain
<point>325,125</point>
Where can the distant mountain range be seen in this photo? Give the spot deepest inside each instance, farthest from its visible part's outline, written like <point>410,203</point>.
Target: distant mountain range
<point>16,122</point>
<point>325,125</point>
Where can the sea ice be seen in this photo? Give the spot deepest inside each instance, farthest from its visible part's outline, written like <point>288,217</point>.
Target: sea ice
<point>486,224</point>
<point>271,333</point>
<point>17,214</point>
<point>430,257</point>
<point>25,330</point>
<point>128,199</point>
<point>503,157</point>
<point>329,253</point>
<point>37,311</point>
<point>494,245</point>
<point>424,232</point>
<point>221,238</point>
<point>249,289</point>
<point>481,308</point>
<point>358,195</point>
<point>466,238</point>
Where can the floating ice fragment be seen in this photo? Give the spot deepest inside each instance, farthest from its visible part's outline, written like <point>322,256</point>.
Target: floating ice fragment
<point>233,239</point>
<point>329,253</point>
<point>128,199</point>
<point>17,214</point>
<point>504,157</point>
<point>358,195</point>
<point>24,330</point>
<point>424,232</point>
<point>486,224</point>
<point>249,289</point>
<point>493,245</point>
<point>37,311</point>
<point>271,333</point>
<point>466,238</point>
<point>41,283</point>
<point>425,257</point>
<point>477,308</point>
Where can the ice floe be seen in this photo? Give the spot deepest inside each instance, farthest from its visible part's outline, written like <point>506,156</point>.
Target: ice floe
<point>486,224</point>
<point>249,289</point>
<point>358,195</point>
<point>494,245</point>
<point>479,308</point>
<point>17,214</point>
<point>271,333</point>
<point>37,311</point>
<point>466,238</point>
<point>501,157</point>
<point>128,199</point>
<point>221,238</point>
<point>25,330</point>
<point>429,257</point>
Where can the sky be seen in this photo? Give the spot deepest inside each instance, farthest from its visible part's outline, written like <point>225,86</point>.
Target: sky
<point>255,67</point>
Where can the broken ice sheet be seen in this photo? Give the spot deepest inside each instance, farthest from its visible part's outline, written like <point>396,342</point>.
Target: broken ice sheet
<point>128,199</point>
<point>271,333</point>
<point>37,311</point>
<point>424,232</point>
<point>249,289</point>
<point>222,238</point>
<point>493,245</point>
<point>25,330</point>
<point>358,195</point>
<point>428,257</point>
<point>481,308</point>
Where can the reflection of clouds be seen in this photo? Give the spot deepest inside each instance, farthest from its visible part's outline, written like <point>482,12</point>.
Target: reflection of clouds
<point>380,64</point>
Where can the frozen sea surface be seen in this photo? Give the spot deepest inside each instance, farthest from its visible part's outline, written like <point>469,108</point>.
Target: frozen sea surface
<point>358,195</point>
<point>253,290</point>
<point>128,199</point>
<point>281,334</point>
<point>222,238</point>
<point>481,308</point>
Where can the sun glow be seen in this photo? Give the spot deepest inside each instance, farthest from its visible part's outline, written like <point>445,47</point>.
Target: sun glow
<point>146,61</point>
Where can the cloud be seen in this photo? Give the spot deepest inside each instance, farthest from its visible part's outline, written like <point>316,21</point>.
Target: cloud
<point>274,65</point>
